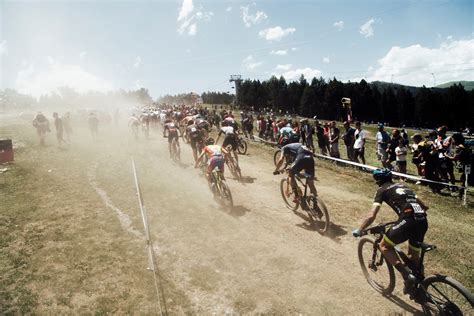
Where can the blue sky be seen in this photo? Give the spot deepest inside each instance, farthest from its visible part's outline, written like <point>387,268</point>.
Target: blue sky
<point>191,45</point>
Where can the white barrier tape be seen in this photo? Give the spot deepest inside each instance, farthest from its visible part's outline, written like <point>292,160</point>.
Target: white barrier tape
<point>352,163</point>
<point>402,175</point>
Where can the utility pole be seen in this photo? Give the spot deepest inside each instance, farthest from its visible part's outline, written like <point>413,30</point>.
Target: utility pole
<point>237,79</point>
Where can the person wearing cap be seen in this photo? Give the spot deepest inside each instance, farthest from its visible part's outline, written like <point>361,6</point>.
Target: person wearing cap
<point>417,158</point>
<point>349,139</point>
<point>382,139</point>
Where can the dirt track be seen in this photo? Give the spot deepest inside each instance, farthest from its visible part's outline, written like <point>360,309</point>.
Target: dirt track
<point>260,258</point>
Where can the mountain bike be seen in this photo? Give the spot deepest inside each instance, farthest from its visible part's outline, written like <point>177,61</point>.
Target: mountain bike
<point>241,145</point>
<point>437,294</point>
<point>310,203</point>
<point>233,165</point>
<point>220,189</point>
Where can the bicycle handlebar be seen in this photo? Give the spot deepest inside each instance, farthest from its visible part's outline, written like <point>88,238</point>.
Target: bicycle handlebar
<point>378,229</point>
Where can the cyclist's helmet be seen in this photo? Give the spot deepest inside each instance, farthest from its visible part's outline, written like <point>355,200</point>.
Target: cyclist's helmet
<point>210,141</point>
<point>382,175</point>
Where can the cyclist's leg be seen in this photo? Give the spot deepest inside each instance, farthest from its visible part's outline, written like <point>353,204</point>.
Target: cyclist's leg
<point>309,170</point>
<point>297,166</point>
<point>417,236</point>
<point>397,234</point>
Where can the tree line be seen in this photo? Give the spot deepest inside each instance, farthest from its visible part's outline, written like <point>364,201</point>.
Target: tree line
<point>396,105</point>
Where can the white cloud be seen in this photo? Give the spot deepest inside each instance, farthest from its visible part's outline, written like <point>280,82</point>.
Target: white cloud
<point>82,55</point>
<point>228,9</point>
<point>276,33</point>
<point>367,29</point>
<point>56,75</point>
<point>249,63</point>
<point>326,60</point>
<point>280,52</point>
<point>51,60</point>
<point>138,62</point>
<point>3,48</point>
<point>414,65</point>
<point>192,29</point>
<point>188,16</point>
<point>295,74</point>
<point>187,8</point>
<point>294,49</point>
<point>283,67</point>
<point>252,19</point>
<point>339,25</point>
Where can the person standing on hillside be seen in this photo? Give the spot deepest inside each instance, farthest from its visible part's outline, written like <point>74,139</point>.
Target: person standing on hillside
<point>349,139</point>
<point>322,143</point>
<point>359,143</point>
<point>41,123</point>
<point>334,140</point>
<point>382,139</point>
<point>58,124</point>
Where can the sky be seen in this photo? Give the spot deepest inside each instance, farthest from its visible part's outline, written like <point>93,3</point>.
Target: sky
<point>179,46</point>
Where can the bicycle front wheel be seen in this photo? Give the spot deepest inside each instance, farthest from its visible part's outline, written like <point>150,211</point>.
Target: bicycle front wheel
<point>289,201</point>
<point>319,214</point>
<point>276,156</point>
<point>242,147</point>
<point>378,272</point>
<point>446,296</point>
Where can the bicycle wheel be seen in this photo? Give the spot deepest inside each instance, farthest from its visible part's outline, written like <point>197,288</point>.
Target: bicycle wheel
<point>226,195</point>
<point>242,147</point>
<point>288,200</point>
<point>378,272</point>
<point>446,296</point>
<point>276,156</point>
<point>319,214</point>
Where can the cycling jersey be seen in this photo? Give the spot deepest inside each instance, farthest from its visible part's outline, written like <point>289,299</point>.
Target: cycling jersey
<point>401,199</point>
<point>213,150</point>
<point>227,130</point>
<point>172,131</point>
<point>297,151</point>
<point>286,131</point>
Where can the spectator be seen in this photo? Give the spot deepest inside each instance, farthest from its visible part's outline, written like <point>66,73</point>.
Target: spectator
<point>349,139</point>
<point>359,143</point>
<point>444,144</point>
<point>334,140</point>
<point>308,135</point>
<point>401,156</point>
<point>41,124</point>
<point>463,155</point>
<point>417,156</point>
<point>382,139</point>
<point>430,157</point>
<point>58,124</point>
<point>322,142</point>
<point>93,123</point>
<point>391,147</point>
<point>326,135</point>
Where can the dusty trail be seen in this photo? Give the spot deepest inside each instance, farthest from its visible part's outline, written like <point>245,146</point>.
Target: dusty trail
<point>261,258</point>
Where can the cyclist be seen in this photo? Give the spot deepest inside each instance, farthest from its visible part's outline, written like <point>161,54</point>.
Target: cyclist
<point>195,135</point>
<point>134,123</point>
<point>216,155</point>
<point>303,159</point>
<point>172,129</point>
<point>229,139</point>
<point>411,225</point>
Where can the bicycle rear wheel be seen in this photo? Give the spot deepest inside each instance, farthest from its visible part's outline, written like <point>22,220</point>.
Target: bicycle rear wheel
<point>446,296</point>
<point>226,195</point>
<point>288,200</point>
<point>319,214</point>
<point>378,272</point>
<point>242,147</point>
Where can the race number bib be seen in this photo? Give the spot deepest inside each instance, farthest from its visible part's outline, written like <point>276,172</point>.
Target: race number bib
<point>417,209</point>
<point>193,129</point>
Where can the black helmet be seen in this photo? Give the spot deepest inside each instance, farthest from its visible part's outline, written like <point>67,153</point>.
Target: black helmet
<point>210,141</point>
<point>382,175</point>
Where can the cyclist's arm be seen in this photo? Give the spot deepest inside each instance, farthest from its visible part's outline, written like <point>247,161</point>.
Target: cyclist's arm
<point>371,217</point>
<point>422,204</point>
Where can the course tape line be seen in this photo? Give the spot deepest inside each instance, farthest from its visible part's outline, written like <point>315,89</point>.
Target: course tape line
<point>371,168</point>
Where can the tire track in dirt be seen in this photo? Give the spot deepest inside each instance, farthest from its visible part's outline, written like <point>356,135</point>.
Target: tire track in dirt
<point>123,218</point>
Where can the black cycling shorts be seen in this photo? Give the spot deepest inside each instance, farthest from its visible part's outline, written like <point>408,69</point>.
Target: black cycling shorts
<point>230,139</point>
<point>306,163</point>
<point>408,228</point>
<point>171,136</point>
<point>194,141</point>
